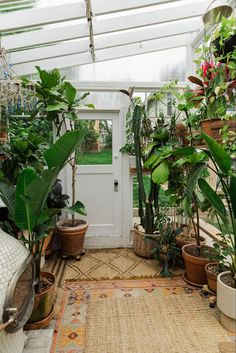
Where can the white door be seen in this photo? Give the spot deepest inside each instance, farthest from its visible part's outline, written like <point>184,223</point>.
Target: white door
<point>99,177</point>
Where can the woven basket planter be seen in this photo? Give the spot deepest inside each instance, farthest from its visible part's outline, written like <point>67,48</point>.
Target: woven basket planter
<point>143,248</point>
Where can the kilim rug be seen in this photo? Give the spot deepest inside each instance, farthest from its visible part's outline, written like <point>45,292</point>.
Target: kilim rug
<point>120,263</point>
<point>136,316</point>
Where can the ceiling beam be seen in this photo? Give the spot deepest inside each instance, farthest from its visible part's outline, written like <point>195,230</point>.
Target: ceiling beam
<point>105,54</point>
<point>89,15</point>
<point>104,6</point>
<point>155,15</point>
<point>52,51</point>
<point>45,36</point>
<point>107,41</point>
<point>40,16</point>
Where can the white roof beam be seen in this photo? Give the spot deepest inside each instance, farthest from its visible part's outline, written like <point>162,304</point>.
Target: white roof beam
<point>105,6</point>
<point>52,51</point>
<point>147,33</point>
<point>170,12</point>
<point>45,36</point>
<point>105,54</point>
<point>143,47</point>
<point>49,64</point>
<point>106,41</point>
<point>17,20</point>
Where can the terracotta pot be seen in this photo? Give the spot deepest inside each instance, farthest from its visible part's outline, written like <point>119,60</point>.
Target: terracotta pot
<point>141,247</point>
<point>182,131</point>
<point>211,277</point>
<point>212,127</point>
<point>195,266</point>
<point>180,242</point>
<point>72,237</point>
<point>226,303</point>
<point>43,302</point>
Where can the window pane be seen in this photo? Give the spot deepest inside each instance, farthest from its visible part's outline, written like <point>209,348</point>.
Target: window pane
<point>97,143</point>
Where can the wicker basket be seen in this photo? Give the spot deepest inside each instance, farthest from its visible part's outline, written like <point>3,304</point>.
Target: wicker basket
<point>141,247</point>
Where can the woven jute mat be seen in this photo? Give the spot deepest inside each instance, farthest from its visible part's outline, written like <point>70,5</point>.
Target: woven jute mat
<point>102,264</point>
<point>171,324</point>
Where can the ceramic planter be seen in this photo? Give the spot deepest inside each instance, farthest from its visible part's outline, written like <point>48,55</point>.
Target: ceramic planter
<point>43,304</point>
<point>72,237</point>
<point>195,266</point>
<point>226,302</point>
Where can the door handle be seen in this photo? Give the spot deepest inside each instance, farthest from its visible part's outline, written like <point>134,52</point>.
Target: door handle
<point>116,184</point>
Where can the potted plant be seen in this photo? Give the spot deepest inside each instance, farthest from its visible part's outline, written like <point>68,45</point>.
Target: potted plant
<point>57,101</point>
<point>27,206</point>
<point>226,217</point>
<point>216,82</point>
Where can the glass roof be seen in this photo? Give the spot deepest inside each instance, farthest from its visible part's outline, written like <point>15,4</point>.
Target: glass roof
<point>77,32</point>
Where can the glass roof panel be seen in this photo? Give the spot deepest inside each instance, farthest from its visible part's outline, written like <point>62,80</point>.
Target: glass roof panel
<point>159,66</point>
<point>13,5</point>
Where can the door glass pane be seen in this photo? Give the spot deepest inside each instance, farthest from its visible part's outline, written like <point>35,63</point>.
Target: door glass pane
<point>96,147</point>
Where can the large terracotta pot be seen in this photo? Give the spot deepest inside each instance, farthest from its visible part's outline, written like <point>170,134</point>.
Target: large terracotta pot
<point>195,266</point>
<point>226,302</point>
<point>43,302</point>
<point>72,236</point>
<point>212,127</point>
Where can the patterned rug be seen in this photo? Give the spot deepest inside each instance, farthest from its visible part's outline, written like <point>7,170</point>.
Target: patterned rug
<point>93,318</point>
<point>120,263</point>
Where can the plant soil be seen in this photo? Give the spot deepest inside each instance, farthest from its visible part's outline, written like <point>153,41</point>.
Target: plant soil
<point>43,284</point>
<point>189,238</point>
<point>203,251</point>
<point>213,269</point>
<point>70,223</point>
<point>228,280</point>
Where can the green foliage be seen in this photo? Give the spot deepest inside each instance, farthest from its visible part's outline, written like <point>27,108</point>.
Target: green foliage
<point>20,152</point>
<point>225,213</point>
<point>28,204</point>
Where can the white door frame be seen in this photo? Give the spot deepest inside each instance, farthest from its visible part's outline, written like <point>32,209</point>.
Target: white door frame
<point>125,217</point>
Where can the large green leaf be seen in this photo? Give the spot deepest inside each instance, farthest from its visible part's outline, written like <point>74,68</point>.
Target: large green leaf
<point>58,154</point>
<point>192,181</point>
<point>161,173</point>
<point>78,207</point>
<point>8,194</point>
<point>232,192</point>
<point>220,156</point>
<point>213,198</point>
<point>49,79</point>
<point>38,190</point>
<point>24,217</point>
<point>70,92</point>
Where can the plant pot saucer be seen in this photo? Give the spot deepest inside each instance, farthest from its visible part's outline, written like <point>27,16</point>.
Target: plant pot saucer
<point>184,275</point>
<point>40,324</point>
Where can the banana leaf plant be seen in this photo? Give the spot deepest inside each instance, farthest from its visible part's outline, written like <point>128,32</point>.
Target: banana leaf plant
<point>27,201</point>
<point>57,102</point>
<point>225,211</point>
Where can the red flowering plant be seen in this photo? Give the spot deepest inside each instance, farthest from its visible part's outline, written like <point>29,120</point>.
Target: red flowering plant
<point>216,73</point>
